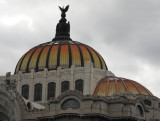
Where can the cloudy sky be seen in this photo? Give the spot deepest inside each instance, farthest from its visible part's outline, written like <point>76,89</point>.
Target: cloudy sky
<point>125,32</point>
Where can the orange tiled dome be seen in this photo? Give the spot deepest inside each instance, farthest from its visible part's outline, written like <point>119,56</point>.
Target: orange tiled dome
<point>59,53</point>
<point>111,85</point>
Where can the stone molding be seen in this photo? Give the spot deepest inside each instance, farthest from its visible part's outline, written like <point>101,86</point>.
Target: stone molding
<point>120,105</point>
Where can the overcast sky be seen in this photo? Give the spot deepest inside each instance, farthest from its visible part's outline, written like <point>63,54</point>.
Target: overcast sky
<point>125,32</point>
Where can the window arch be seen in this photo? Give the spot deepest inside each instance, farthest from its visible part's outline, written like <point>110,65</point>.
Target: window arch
<point>79,85</point>
<point>51,90</point>
<point>25,91</point>
<point>64,86</point>
<point>139,111</point>
<point>70,103</point>
<point>38,92</point>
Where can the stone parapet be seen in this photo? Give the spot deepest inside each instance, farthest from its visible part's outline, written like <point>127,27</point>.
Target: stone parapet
<point>124,105</point>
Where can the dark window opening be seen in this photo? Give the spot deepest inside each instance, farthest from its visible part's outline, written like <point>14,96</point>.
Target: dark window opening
<point>79,85</point>
<point>139,111</point>
<point>51,90</point>
<point>29,106</point>
<point>65,86</point>
<point>38,92</point>
<point>25,91</point>
<point>147,102</point>
<point>159,105</point>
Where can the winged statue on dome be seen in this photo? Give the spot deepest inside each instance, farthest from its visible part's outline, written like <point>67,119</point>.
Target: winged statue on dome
<point>64,10</point>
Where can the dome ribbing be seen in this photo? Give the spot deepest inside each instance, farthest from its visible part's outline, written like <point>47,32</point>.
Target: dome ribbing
<point>59,53</point>
<point>112,85</point>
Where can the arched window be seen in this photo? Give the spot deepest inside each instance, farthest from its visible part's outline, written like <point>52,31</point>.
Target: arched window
<point>65,86</point>
<point>25,91</point>
<point>139,111</point>
<point>79,85</point>
<point>38,92</point>
<point>71,103</point>
<point>51,90</point>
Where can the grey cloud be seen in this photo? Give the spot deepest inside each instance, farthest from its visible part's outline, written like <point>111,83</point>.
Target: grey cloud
<point>135,30</point>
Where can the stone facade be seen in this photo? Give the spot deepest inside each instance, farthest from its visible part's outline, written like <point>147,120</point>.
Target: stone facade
<point>72,105</point>
<point>90,75</point>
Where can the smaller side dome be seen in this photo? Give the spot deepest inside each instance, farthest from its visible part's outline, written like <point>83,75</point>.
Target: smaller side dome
<point>111,85</point>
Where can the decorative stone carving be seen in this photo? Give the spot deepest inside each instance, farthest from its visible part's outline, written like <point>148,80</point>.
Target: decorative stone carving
<point>9,106</point>
<point>10,84</point>
<point>70,103</point>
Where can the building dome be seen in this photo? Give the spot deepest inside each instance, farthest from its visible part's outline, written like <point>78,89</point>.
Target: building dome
<point>111,85</point>
<point>62,52</point>
<point>57,53</point>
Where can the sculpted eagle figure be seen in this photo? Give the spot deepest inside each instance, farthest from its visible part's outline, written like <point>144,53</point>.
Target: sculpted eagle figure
<point>64,10</point>
<point>63,28</point>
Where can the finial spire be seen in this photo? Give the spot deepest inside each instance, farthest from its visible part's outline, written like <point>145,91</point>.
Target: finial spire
<point>63,28</point>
